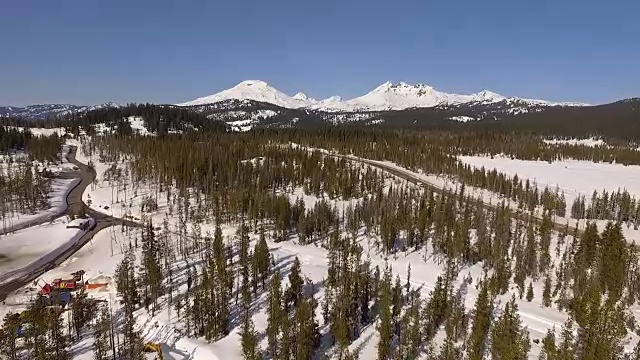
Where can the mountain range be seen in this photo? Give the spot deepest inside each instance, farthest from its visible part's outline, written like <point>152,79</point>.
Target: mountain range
<point>254,103</point>
<point>45,111</point>
<point>388,96</point>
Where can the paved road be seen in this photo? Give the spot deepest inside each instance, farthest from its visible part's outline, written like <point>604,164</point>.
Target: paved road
<point>413,178</point>
<point>45,218</point>
<point>74,199</point>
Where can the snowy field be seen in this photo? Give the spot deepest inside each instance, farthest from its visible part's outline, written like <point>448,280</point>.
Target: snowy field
<point>26,249</point>
<point>136,122</point>
<point>591,142</point>
<point>42,131</point>
<point>573,177</point>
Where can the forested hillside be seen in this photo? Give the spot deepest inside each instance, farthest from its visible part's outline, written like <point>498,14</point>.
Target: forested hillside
<point>286,244</point>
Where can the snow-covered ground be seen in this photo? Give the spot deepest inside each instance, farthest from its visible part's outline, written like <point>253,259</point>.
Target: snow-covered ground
<point>42,131</point>
<point>136,122</point>
<point>591,142</point>
<point>96,258</point>
<point>60,188</point>
<point>100,257</point>
<point>314,266</point>
<point>25,250</point>
<point>462,118</point>
<point>137,125</point>
<point>573,177</point>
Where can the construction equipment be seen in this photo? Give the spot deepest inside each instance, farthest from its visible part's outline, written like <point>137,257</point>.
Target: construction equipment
<point>65,284</point>
<point>153,347</point>
<point>78,275</point>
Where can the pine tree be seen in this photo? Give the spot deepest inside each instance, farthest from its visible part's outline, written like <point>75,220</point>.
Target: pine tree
<point>127,290</point>
<point>286,345</point>
<point>261,259</point>
<point>58,341</point>
<point>8,336</point>
<point>294,292</point>
<point>508,339</point>
<point>305,329</point>
<point>248,336</point>
<point>101,348</point>
<point>548,346</point>
<point>151,265</point>
<point>384,325</point>
<point>482,313</point>
<point>546,291</point>
<point>530,292</point>
<point>275,314</point>
<point>566,350</point>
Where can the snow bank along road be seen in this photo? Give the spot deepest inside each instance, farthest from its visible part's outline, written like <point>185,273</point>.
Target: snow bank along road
<point>47,217</point>
<point>416,179</point>
<point>74,199</point>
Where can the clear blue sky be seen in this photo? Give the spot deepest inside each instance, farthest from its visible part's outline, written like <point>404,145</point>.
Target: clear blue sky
<point>167,51</point>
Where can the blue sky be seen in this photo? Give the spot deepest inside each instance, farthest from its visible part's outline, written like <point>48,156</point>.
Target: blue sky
<point>168,51</point>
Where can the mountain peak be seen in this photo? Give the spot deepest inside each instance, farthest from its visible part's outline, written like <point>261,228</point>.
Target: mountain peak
<point>256,90</point>
<point>387,96</point>
<point>486,96</point>
<point>402,87</point>
<point>256,83</point>
<point>332,99</point>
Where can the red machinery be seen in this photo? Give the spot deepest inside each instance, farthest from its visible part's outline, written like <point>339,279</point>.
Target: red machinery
<point>62,284</point>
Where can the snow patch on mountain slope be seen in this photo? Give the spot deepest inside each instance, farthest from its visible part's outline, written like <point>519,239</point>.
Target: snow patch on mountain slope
<point>243,120</point>
<point>462,118</point>
<point>590,142</point>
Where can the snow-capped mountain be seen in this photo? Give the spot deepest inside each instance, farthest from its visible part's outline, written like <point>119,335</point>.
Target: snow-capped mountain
<point>45,111</point>
<point>303,97</point>
<point>255,90</point>
<point>388,96</point>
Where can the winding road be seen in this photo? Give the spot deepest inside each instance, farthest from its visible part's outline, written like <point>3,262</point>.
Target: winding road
<point>74,199</point>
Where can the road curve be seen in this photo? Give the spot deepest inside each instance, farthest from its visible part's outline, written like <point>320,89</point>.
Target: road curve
<point>74,198</point>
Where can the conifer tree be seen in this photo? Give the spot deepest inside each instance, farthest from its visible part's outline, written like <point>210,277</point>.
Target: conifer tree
<point>9,336</point>
<point>384,325</point>
<point>275,315</point>
<point>248,336</point>
<point>482,312</point>
<point>101,348</point>
<point>508,339</point>
<point>549,349</point>
<point>530,292</point>
<point>294,291</point>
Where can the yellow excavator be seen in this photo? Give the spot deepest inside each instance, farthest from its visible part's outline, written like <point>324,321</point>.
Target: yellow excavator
<point>153,347</point>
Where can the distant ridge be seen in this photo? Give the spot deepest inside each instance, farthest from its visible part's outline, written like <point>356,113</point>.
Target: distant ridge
<point>388,96</point>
